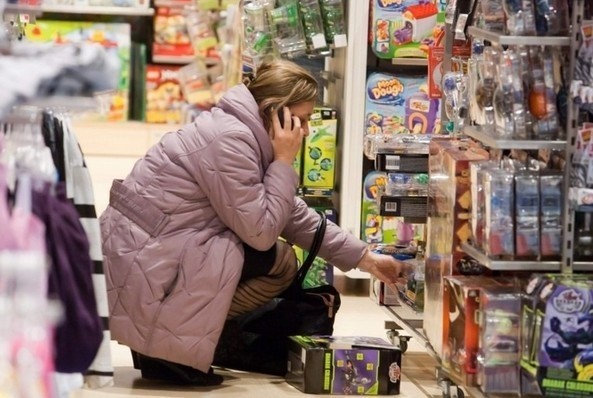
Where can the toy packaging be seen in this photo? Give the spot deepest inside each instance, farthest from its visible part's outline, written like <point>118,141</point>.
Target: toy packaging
<point>115,37</point>
<point>551,208</point>
<point>498,226</point>
<point>399,105</point>
<point>334,22</point>
<point>405,28</point>
<point>557,336</point>
<point>382,294</point>
<point>448,222</point>
<point>287,30</point>
<point>527,216</point>
<point>164,97</point>
<point>319,152</point>
<point>500,325</point>
<point>171,37</point>
<point>344,365</point>
<point>312,21</point>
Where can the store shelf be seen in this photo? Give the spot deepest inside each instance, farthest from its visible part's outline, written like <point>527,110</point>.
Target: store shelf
<point>23,9</point>
<point>478,134</point>
<point>582,266</point>
<point>410,61</point>
<point>169,59</point>
<point>510,265</point>
<point>501,38</point>
<point>96,10</point>
<point>410,322</point>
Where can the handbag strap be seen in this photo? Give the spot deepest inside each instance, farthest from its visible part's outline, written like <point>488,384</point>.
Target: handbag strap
<point>314,250</point>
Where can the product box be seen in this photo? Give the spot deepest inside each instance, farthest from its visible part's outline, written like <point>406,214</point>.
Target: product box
<point>500,338</point>
<point>405,28</point>
<point>344,365</point>
<point>164,97</point>
<point>319,153</point>
<point>382,294</point>
<point>448,222</point>
<point>171,38</point>
<point>114,37</point>
<point>400,105</point>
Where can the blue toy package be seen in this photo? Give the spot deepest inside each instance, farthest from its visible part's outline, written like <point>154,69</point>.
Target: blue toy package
<point>527,216</point>
<point>400,105</point>
<point>498,231</point>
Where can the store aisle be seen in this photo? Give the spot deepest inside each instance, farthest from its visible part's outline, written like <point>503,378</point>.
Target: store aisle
<point>358,315</point>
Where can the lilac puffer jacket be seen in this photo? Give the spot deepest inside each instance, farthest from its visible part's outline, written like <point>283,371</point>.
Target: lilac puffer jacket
<point>173,230</point>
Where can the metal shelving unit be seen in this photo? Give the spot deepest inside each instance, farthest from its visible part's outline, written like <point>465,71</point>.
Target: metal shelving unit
<point>409,321</point>
<point>410,61</point>
<point>510,265</point>
<point>96,10</point>
<point>489,140</point>
<point>505,40</point>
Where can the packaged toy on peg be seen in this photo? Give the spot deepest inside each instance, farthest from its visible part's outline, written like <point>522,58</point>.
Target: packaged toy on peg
<point>552,17</point>
<point>456,104</point>
<point>257,34</point>
<point>509,107</point>
<point>520,17</point>
<point>334,22</point>
<point>312,24</point>
<point>542,97</point>
<point>287,30</point>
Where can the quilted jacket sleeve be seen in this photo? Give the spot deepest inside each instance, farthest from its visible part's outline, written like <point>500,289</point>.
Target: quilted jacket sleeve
<point>339,248</point>
<point>229,173</point>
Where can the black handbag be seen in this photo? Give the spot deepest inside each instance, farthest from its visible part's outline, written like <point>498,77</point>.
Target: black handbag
<point>258,341</point>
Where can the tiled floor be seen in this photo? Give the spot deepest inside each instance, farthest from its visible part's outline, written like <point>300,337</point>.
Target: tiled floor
<point>358,315</point>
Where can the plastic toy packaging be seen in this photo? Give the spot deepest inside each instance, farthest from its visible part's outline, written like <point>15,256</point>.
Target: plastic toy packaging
<point>334,22</point>
<point>492,15</point>
<point>200,27</point>
<point>498,228</point>
<point>527,216</point>
<point>509,97</point>
<point>542,96</point>
<point>258,37</point>
<point>455,86</point>
<point>552,17</point>
<point>551,216</point>
<point>498,359</point>
<point>404,184</point>
<point>484,86</point>
<point>287,30</point>
<point>312,24</point>
<point>195,85</point>
<point>520,17</point>
<point>399,143</point>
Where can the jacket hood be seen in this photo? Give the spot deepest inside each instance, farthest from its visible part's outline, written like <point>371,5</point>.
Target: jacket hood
<point>239,102</point>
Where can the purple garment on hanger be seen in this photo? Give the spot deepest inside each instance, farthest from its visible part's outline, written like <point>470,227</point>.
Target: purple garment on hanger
<point>80,333</point>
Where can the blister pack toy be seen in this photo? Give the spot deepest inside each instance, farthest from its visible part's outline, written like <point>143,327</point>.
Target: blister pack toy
<point>527,215</point>
<point>287,30</point>
<point>312,24</point>
<point>398,105</point>
<point>498,229</point>
<point>551,215</point>
<point>405,28</point>
<point>334,22</point>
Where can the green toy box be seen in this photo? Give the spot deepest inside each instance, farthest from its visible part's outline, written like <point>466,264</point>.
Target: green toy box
<point>319,153</point>
<point>344,365</point>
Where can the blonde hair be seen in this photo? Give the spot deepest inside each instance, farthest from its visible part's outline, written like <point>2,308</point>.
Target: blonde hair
<point>280,83</point>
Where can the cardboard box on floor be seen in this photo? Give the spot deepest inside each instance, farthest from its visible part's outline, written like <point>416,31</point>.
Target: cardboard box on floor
<point>344,365</point>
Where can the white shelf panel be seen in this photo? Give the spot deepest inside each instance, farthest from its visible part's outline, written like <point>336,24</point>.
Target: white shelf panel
<point>410,61</point>
<point>501,38</point>
<point>96,10</point>
<point>168,59</point>
<point>583,266</point>
<point>510,265</point>
<point>498,143</point>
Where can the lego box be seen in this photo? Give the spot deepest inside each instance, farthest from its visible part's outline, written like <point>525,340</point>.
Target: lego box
<point>164,97</point>
<point>344,365</point>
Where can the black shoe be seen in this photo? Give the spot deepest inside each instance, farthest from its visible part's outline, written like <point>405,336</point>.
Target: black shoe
<point>160,369</point>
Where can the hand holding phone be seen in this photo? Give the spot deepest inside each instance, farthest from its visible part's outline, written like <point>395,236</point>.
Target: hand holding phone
<point>287,135</point>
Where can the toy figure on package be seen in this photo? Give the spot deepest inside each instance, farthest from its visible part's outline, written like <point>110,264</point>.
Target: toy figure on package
<point>287,30</point>
<point>334,22</point>
<point>405,184</point>
<point>542,96</point>
<point>527,216</point>
<point>456,103</point>
<point>405,28</point>
<point>498,230</point>
<point>312,24</point>
<point>397,105</point>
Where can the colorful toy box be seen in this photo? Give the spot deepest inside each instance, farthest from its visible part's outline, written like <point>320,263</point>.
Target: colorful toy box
<point>400,105</point>
<point>405,28</point>
<point>171,38</point>
<point>557,357</point>
<point>319,153</point>
<point>164,98</point>
<point>448,222</point>
<point>115,37</point>
<point>344,365</point>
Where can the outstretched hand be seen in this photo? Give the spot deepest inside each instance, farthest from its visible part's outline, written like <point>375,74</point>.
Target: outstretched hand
<point>384,267</point>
